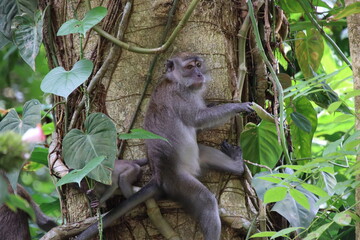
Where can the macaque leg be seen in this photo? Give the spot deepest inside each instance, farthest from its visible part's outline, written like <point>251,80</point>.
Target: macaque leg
<point>197,200</point>
<point>231,162</point>
<point>125,183</point>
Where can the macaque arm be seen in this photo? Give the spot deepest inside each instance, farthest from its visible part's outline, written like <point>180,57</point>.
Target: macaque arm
<point>214,116</point>
<point>148,191</point>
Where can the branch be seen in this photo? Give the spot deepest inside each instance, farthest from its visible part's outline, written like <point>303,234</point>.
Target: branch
<point>149,50</point>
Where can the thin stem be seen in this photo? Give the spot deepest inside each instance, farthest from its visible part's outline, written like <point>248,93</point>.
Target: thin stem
<point>149,50</point>
<point>273,75</point>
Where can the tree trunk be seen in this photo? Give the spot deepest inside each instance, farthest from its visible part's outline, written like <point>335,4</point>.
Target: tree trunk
<point>354,36</point>
<point>212,33</point>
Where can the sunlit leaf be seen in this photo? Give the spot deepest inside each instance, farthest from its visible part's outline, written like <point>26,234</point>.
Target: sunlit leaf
<point>342,218</point>
<point>300,198</point>
<point>309,49</point>
<point>275,194</point>
<point>314,189</point>
<point>140,134</point>
<point>347,11</point>
<point>263,234</point>
<point>61,82</point>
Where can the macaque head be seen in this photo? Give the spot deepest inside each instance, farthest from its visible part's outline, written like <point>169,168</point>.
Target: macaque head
<point>188,70</point>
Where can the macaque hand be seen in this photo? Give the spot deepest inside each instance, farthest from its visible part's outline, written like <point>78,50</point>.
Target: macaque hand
<point>246,107</point>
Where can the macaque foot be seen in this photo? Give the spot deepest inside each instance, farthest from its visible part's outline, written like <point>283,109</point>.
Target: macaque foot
<point>94,202</point>
<point>233,151</point>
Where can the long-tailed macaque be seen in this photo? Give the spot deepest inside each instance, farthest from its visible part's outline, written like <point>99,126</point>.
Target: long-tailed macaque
<point>176,111</point>
<point>14,225</point>
<point>124,175</point>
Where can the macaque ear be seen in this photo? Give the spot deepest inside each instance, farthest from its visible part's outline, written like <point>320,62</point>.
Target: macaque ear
<point>169,65</point>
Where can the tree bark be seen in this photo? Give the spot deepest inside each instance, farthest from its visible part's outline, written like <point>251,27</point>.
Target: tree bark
<point>354,36</point>
<point>212,33</point>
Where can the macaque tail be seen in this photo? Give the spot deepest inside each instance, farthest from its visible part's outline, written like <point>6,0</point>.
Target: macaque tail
<point>150,190</point>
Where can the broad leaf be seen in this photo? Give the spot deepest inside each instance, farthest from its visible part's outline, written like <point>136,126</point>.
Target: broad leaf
<point>93,17</point>
<point>301,139</point>
<point>261,185</point>
<point>309,49</point>
<point>347,11</point>
<point>99,139</point>
<point>15,202</point>
<point>140,134</point>
<point>263,234</point>
<point>8,10</point>
<point>275,194</point>
<point>260,144</point>
<point>28,36</point>
<point>31,117</point>
<point>295,213</point>
<point>301,121</point>
<point>318,232</point>
<point>39,155</point>
<point>342,218</point>
<point>77,175</point>
<point>314,189</point>
<point>61,82</point>
<point>300,198</point>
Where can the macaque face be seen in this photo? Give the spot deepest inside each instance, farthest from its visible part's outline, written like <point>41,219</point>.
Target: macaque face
<point>190,71</point>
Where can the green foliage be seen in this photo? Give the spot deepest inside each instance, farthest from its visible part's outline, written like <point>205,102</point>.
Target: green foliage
<point>31,117</point>
<point>260,144</point>
<point>12,151</point>
<point>61,82</point>
<point>93,17</point>
<point>309,49</point>
<point>140,134</point>
<point>99,139</point>
<point>347,11</point>
<point>21,22</point>
<point>78,175</point>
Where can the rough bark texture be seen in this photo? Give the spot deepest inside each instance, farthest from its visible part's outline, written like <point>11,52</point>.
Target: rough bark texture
<point>211,32</point>
<point>354,36</point>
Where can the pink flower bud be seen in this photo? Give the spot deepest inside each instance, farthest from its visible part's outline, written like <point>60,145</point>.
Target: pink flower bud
<point>34,135</point>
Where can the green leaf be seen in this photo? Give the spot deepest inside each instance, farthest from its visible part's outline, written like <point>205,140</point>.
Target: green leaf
<point>301,139</point>
<point>263,234</point>
<point>275,194</point>
<point>271,179</point>
<point>39,155</point>
<point>140,134</point>
<point>309,49</point>
<point>334,106</point>
<point>295,213</point>
<point>61,82</point>
<point>351,94</point>
<point>28,36</point>
<point>260,144</point>
<point>347,11</point>
<point>318,232</point>
<point>99,139</point>
<point>343,218</point>
<point>93,17</point>
<point>314,189</point>
<point>48,128</point>
<point>31,117</point>
<point>262,113</point>
<point>300,198</point>
<point>8,10</point>
<point>15,202</point>
<point>285,232</point>
<point>77,175</point>
<point>301,121</point>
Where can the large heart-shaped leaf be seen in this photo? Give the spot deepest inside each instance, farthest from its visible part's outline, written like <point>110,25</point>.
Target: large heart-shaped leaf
<point>28,36</point>
<point>294,212</point>
<point>260,144</point>
<point>301,139</point>
<point>8,10</point>
<point>99,139</point>
<point>31,117</point>
<point>61,82</point>
<point>93,17</point>
<point>309,50</point>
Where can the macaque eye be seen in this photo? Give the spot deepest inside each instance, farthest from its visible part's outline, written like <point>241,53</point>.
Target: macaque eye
<point>198,64</point>
<point>190,66</point>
